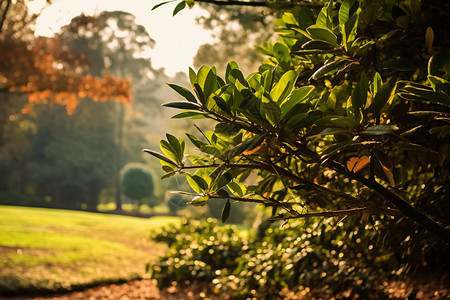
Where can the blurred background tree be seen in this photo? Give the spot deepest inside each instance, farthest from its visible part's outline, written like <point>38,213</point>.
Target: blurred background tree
<point>136,183</point>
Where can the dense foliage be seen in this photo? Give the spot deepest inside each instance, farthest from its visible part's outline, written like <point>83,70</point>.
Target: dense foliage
<point>348,118</point>
<point>321,256</point>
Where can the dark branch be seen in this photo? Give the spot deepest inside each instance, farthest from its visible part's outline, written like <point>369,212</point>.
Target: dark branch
<point>233,2</point>
<point>347,212</point>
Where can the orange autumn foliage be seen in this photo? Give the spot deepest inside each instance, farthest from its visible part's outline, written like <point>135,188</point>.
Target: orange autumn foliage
<point>46,71</point>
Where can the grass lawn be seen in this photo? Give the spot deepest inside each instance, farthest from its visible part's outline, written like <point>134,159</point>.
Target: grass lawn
<point>50,249</point>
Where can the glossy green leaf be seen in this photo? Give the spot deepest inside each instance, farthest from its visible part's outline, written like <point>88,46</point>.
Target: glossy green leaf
<point>226,132</point>
<point>180,6</point>
<point>345,11</point>
<point>387,36</point>
<point>182,105</point>
<point>161,4</point>
<point>325,17</point>
<point>284,87</point>
<point>297,96</point>
<point>237,188</point>
<point>198,143</point>
<point>318,45</point>
<point>344,122</point>
<point>440,84</point>
<point>328,68</point>
<point>197,183</point>
<point>382,97</point>
<point>183,92</point>
<point>413,147</point>
<point>160,156</point>
<point>318,32</point>
<point>199,200</point>
<point>226,211</point>
<point>211,150</point>
<point>188,114</point>
<point>169,151</point>
<point>247,145</point>
<point>192,76</point>
<point>380,130</point>
<point>282,54</point>
<point>350,29</point>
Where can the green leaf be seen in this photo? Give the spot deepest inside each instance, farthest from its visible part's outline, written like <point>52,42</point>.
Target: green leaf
<point>344,11</point>
<point>223,105</point>
<point>297,96</point>
<point>271,111</point>
<point>223,180</point>
<point>327,69</point>
<point>211,150</point>
<point>325,17</point>
<point>199,92</point>
<point>188,114</point>
<point>282,54</point>
<point>160,156</point>
<point>249,144</point>
<point>226,211</point>
<point>232,65</point>
<point>226,132</point>
<point>385,37</point>
<point>284,87</point>
<point>344,122</point>
<point>425,95</point>
<point>318,45</point>
<point>350,29</point>
<point>199,200</point>
<point>359,96</point>
<point>380,129</point>
<point>177,145</point>
<point>180,6</point>
<point>183,92</point>
<point>413,147</point>
<point>318,32</point>
<point>197,143</point>
<point>210,85</point>
<point>168,150</point>
<point>439,64</point>
<point>192,76</point>
<point>161,4</point>
<point>182,105</point>
<point>197,183</point>
<point>440,84</point>
<point>236,188</point>
<point>381,98</point>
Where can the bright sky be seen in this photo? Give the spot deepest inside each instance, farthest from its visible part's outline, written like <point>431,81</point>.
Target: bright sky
<point>177,38</point>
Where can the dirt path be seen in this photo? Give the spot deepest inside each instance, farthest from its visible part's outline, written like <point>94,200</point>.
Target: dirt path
<point>132,290</point>
<point>146,289</point>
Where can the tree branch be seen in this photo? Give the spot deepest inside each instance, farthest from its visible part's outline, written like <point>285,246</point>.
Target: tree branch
<point>405,208</point>
<point>234,2</point>
<point>346,212</point>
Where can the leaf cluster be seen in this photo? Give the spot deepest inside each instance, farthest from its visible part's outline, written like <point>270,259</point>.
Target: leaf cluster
<point>328,125</point>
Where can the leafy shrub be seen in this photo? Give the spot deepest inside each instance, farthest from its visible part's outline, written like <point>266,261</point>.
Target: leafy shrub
<point>315,254</point>
<point>198,251</point>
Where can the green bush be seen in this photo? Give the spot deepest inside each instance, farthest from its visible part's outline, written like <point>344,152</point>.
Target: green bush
<point>315,254</point>
<point>198,251</point>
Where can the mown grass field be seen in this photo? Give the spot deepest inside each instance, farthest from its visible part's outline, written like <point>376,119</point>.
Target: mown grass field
<point>48,249</point>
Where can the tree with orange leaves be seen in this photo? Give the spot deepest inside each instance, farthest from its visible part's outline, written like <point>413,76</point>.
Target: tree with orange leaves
<point>44,69</point>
